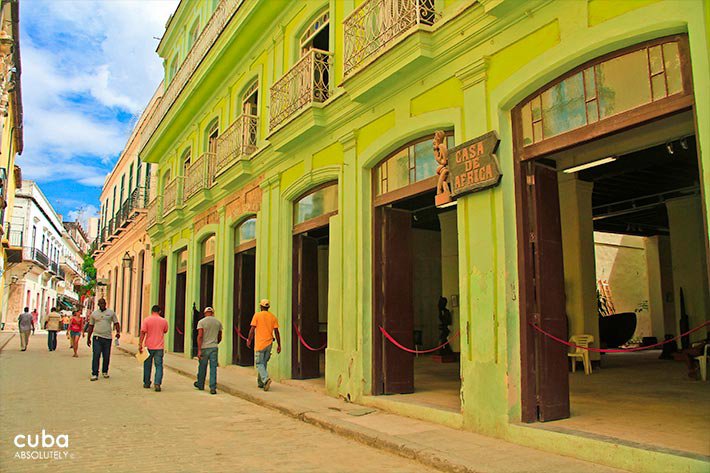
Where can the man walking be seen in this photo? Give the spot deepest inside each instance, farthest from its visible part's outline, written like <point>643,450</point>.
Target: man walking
<point>52,323</point>
<point>153,330</point>
<point>209,335</point>
<point>100,323</point>
<point>25,324</point>
<point>264,327</point>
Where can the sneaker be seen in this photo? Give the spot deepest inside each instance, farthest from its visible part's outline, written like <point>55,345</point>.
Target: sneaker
<point>94,377</point>
<point>213,391</point>
<point>198,386</point>
<point>267,384</point>
<point>146,386</point>
<point>105,375</point>
<point>157,388</point>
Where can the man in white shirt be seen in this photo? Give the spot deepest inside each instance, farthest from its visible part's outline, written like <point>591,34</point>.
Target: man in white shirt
<point>101,321</point>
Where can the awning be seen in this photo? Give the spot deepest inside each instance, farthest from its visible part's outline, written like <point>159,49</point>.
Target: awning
<point>66,304</point>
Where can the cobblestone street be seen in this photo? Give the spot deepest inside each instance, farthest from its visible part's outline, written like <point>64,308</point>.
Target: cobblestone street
<point>115,425</point>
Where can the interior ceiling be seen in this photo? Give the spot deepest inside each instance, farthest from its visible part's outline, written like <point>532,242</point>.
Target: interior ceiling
<point>629,194</point>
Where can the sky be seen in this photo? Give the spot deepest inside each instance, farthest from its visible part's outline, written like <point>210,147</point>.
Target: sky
<point>89,68</point>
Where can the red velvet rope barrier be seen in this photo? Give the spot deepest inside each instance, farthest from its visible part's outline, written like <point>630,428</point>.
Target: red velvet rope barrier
<point>618,350</point>
<point>239,332</point>
<point>179,331</point>
<point>303,342</point>
<point>417,352</point>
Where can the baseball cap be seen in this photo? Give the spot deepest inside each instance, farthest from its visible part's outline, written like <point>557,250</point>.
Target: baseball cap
<point>209,309</point>
<point>265,303</point>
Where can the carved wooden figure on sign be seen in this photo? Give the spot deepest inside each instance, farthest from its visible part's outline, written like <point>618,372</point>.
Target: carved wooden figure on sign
<point>441,154</point>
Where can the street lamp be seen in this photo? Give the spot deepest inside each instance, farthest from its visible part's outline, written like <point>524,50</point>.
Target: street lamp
<point>127,261</point>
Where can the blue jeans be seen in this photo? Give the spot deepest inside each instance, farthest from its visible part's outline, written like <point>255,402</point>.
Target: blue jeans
<point>52,340</point>
<point>208,355</point>
<point>262,359</point>
<point>157,357</point>
<point>101,348</point>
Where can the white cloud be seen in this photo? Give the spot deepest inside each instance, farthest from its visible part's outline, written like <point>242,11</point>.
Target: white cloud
<point>87,65</point>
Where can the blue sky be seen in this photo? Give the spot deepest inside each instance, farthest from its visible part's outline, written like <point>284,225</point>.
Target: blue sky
<point>88,69</point>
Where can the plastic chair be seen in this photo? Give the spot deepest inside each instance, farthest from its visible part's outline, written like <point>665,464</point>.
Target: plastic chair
<point>703,362</point>
<point>579,353</point>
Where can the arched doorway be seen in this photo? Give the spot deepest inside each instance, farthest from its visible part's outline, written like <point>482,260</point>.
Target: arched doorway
<point>609,210</point>
<point>207,254</point>
<point>311,232</point>
<point>180,290</point>
<point>415,266</point>
<point>244,290</point>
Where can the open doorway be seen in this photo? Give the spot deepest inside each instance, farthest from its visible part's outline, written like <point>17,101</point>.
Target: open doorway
<point>207,253</point>
<point>312,213</point>
<point>180,289</point>
<point>614,253</point>
<point>415,283</point>
<point>244,291</point>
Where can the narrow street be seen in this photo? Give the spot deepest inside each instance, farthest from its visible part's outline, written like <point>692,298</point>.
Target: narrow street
<point>116,425</point>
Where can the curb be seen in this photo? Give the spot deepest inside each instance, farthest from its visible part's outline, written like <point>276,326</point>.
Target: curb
<point>373,439</point>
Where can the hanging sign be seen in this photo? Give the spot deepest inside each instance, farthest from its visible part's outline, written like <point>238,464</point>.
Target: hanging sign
<point>473,166</point>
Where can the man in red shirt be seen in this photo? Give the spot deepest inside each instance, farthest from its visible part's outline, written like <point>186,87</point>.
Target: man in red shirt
<point>153,330</point>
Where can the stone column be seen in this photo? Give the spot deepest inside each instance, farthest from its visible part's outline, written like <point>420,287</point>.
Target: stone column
<point>578,253</point>
<point>685,220</point>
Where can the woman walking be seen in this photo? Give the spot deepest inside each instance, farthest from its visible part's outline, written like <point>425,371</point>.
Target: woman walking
<point>75,329</point>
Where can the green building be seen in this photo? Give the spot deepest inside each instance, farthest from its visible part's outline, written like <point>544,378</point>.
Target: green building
<point>294,143</point>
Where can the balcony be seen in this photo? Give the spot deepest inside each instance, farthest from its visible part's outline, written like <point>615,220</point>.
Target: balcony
<point>211,32</point>
<point>198,176</point>
<point>153,213</point>
<point>172,195</point>
<point>376,25</point>
<point>68,265</point>
<point>307,82</point>
<point>237,142</point>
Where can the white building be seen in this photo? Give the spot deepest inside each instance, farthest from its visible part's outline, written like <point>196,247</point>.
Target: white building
<point>44,257</point>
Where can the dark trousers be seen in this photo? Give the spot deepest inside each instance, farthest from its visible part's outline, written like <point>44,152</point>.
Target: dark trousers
<point>52,340</point>
<point>157,357</point>
<point>101,348</point>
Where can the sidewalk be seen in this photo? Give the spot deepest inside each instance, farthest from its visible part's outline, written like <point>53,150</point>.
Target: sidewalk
<point>430,444</point>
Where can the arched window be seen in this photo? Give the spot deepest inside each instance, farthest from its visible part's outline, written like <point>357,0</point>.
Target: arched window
<point>208,249</point>
<point>211,134</point>
<point>318,202</point>
<point>607,94</point>
<point>245,234</point>
<point>413,162</point>
<point>315,36</point>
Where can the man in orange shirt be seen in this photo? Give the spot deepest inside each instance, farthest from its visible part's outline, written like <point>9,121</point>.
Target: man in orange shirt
<point>264,327</point>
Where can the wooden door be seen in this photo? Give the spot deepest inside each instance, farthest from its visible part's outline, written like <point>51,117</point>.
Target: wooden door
<point>162,281</point>
<point>394,301</point>
<point>305,363</point>
<point>206,286</point>
<point>545,299</point>
<point>180,288</point>
<point>243,309</point>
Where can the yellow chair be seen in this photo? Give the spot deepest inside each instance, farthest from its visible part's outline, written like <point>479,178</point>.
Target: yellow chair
<point>580,354</point>
<point>703,361</point>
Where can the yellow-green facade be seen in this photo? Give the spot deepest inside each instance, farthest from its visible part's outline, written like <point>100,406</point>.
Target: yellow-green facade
<point>466,73</point>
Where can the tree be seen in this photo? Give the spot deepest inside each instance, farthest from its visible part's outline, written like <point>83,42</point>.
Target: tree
<point>89,288</point>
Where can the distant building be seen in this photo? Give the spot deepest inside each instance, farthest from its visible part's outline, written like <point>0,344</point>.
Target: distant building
<point>122,251</point>
<point>93,229</point>
<point>11,139</point>
<point>44,257</point>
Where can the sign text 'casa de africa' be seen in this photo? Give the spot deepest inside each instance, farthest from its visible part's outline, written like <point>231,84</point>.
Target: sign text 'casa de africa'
<point>473,165</point>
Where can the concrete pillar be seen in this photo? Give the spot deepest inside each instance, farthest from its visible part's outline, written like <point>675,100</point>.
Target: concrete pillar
<point>655,286</point>
<point>685,220</point>
<point>578,253</point>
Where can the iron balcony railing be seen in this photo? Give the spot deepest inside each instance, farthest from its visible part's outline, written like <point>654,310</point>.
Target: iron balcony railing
<point>213,29</point>
<point>153,211</point>
<point>199,174</point>
<point>237,141</point>
<point>172,196</point>
<point>308,81</point>
<point>38,256</point>
<point>69,263</point>
<point>376,24</point>
<point>15,237</point>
